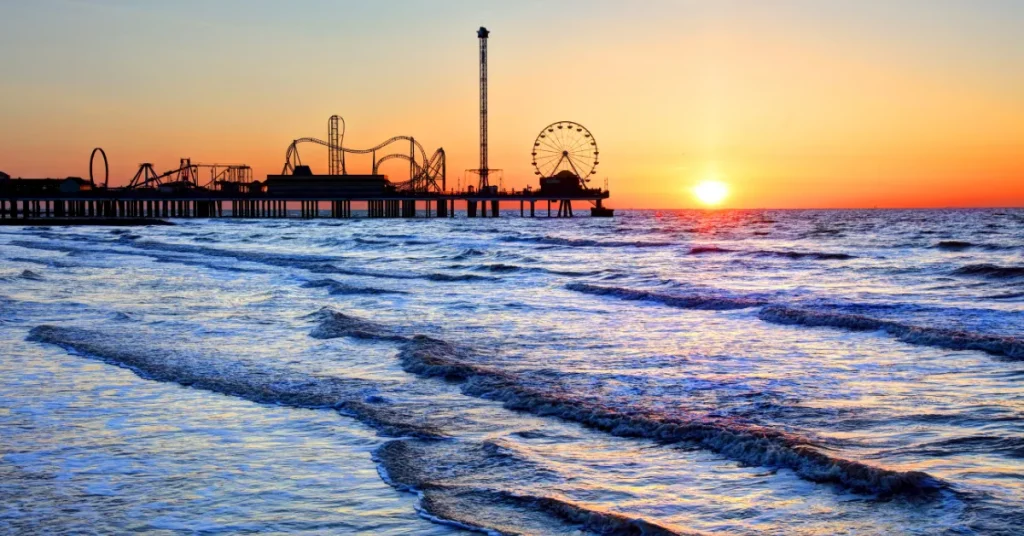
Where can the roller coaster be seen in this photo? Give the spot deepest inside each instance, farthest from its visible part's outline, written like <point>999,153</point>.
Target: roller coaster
<point>425,175</point>
<point>187,176</point>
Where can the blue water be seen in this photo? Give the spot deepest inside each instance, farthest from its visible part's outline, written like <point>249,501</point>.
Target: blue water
<point>741,372</point>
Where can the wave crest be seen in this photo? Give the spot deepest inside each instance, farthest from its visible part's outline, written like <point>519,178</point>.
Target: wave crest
<point>748,444</point>
<point>1012,347</point>
<point>585,242</point>
<point>334,324</point>
<point>261,383</point>
<point>801,255</point>
<point>337,288</point>
<point>692,301</point>
<point>992,271</point>
<point>465,483</point>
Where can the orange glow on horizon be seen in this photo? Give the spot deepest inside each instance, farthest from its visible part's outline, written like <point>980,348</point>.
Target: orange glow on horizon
<point>711,192</point>
<point>809,106</point>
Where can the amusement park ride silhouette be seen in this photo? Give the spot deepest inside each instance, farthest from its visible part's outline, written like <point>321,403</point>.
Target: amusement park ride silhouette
<point>564,156</point>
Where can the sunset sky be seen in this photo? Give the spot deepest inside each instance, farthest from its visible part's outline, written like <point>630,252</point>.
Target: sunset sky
<point>792,104</point>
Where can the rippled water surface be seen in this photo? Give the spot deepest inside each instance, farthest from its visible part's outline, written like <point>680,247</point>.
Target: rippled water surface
<point>784,372</point>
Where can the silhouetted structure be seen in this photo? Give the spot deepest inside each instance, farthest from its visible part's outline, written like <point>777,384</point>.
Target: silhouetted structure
<point>564,155</point>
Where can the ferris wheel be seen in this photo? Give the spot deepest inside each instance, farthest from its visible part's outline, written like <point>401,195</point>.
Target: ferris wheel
<point>565,146</point>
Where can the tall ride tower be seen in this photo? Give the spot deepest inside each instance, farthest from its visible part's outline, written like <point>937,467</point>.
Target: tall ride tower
<point>482,33</point>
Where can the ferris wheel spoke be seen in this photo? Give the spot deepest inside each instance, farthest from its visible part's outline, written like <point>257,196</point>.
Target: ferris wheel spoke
<point>546,161</point>
<point>586,149</point>
<point>580,144</point>
<point>548,154</point>
<point>552,147</point>
<point>566,137</point>
<point>584,140</point>
<point>574,169</point>
<point>578,163</point>
<point>583,167</point>
<point>550,167</point>
<point>556,138</point>
<point>584,155</point>
<point>557,134</point>
<point>546,141</point>
<point>565,146</point>
<point>589,160</point>
<point>581,153</point>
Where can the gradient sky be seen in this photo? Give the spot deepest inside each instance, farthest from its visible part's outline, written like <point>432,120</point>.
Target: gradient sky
<point>793,103</point>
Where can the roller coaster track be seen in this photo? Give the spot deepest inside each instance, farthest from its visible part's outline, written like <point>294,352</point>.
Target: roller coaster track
<point>424,179</point>
<point>425,173</point>
<point>188,173</point>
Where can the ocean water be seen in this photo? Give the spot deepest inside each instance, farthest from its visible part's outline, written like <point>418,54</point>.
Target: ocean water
<point>739,372</point>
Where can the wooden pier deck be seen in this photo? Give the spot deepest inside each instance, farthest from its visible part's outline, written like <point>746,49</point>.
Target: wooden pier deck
<point>153,203</point>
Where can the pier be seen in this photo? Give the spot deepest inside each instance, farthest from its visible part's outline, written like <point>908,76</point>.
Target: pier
<point>152,203</point>
<point>564,156</point>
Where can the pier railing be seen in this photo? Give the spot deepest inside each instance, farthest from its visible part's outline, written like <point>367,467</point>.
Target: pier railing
<point>202,203</point>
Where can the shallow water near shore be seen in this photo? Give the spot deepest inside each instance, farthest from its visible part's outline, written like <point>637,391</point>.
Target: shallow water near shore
<point>741,372</point>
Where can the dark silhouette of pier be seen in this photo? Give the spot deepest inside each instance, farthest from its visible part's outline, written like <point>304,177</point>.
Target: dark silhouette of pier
<point>564,157</point>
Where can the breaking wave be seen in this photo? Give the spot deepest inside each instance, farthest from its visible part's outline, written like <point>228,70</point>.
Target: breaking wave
<point>991,271</point>
<point>456,277</point>
<point>510,268</point>
<point>500,268</point>
<point>744,443</point>
<point>584,242</point>
<point>692,301</point>
<point>1012,347</point>
<point>953,245</point>
<point>156,256</point>
<point>257,382</point>
<point>341,289</point>
<point>795,255</point>
<point>463,483</point>
<point>314,263</point>
<point>429,357</point>
<point>1004,346</point>
<point>701,250</point>
<point>334,324</point>
<point>984,444</point>
<point>31,276</point>
<point>801,255</point>
<point>370,241</point>
<point>1006,296</point>
<point>52,263</point>
<point>467,253</point>
<point>961,245</point>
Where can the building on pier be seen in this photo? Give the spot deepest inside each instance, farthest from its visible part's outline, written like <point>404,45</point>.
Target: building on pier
<point>20,186</point>
<point>342,186</point>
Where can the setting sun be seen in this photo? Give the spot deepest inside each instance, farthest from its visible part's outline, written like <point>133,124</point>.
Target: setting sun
<point>711,192</point>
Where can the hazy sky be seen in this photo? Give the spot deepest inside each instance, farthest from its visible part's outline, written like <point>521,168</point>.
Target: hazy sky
<point>794,104</point>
